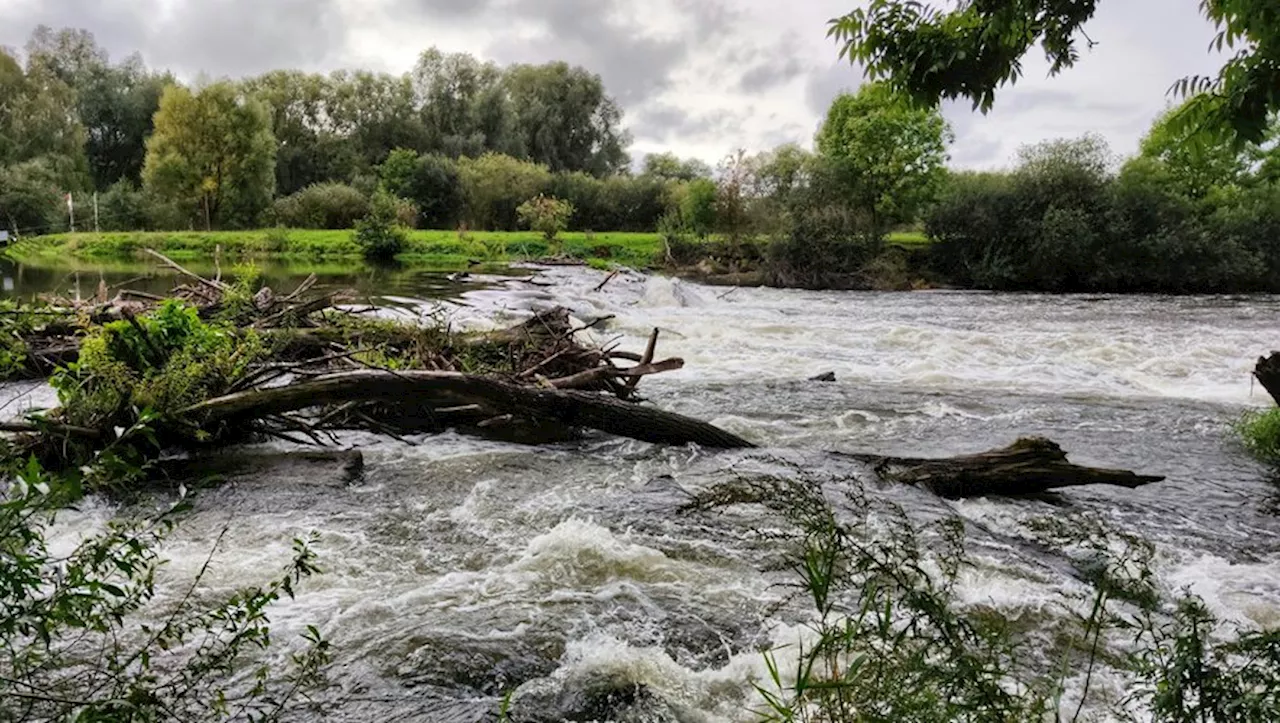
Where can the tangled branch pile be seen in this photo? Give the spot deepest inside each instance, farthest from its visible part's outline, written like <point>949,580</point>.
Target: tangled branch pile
<point>217,363</point>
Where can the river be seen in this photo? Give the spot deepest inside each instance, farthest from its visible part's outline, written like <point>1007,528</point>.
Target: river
<point>459,570</point>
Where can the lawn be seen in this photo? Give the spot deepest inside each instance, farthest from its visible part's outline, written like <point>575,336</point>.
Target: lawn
<point>444,250</point>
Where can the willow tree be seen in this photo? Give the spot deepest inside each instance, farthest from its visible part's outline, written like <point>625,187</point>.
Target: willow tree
<point>212,154</point>
<point>971,48</point>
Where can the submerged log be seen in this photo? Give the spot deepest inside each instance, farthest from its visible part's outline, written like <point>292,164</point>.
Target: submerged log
<point>448,390</point>
<point>1027,467</point>
<point>1267,372</point>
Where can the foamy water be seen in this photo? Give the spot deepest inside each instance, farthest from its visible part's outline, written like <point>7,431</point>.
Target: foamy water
<point>461,570</point>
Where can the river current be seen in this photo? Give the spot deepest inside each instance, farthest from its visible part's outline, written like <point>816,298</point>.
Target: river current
<point>459,570</point>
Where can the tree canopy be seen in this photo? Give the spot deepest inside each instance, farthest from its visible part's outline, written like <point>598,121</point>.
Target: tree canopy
<point>890,153</point>
<point>972,48</point>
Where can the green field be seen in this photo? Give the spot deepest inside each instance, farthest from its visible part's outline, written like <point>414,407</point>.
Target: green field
<point>434,250</point>
<point>444,250</point>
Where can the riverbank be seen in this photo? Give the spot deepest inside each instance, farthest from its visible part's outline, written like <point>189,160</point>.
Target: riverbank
<point>437,250</point>
<point>441,250</point>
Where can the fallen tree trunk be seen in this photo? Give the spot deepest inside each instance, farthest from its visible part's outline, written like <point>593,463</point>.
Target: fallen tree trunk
<point>1029,466</point>
<point>1267,372</point>
<point>443,390</point>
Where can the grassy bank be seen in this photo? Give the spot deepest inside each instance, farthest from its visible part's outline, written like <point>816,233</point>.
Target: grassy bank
<point>435,249</point>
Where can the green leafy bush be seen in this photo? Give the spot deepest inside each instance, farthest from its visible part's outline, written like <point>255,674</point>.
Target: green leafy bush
<point>380,234</point>
<point>321,206</point>
<point>548,216</point>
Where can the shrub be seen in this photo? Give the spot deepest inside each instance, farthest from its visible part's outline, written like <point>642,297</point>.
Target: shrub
<point>1260,432</point>
<point>548,216</point>
<point>699,207</point>
<point>30,200</point>
<point>494,186</point>
<point>123,207</point>
<point>380,234</point>
<point>431,182</point>
<point>321,206</point>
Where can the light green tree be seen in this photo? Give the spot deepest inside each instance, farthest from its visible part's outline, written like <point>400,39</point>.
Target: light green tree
<point>212,152</point>
<point>889,154</point>
<point>494,185</point>
<point>1194,163</point>
<point>546,215</point>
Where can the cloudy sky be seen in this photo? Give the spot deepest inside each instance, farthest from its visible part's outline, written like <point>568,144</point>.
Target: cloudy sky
<point>697,77</point>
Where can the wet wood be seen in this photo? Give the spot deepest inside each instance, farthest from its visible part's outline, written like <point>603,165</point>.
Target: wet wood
<point>452,390</point>
<point>1267,372</point>
<point>1027,467</point>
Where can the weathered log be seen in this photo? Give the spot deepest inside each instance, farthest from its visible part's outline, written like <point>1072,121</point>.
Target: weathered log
<point>450,389</point>
<point>1029,466</point>
<point>1267,372</point>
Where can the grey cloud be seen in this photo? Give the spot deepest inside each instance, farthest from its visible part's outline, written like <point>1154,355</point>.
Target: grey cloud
<point>778,66</point>
<point>223,37</point>
<point>824,85</point>
<point>662,122</point>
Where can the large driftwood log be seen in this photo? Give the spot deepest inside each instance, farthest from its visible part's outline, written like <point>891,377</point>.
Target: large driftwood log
<point>1267,372</point>
<point>1027,467</point>
<point>451,390</point>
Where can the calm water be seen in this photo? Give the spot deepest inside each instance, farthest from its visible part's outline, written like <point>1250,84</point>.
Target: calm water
<point>388,286</point>
<point>459,569</point>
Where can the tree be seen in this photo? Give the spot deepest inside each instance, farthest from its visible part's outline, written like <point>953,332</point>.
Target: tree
<point>698,207</point>
<point>115,104</point>
<point>970,49</point>
<point>309,147</point>
<point>546,215</point>
<point>212,152</point>
<point>566,121</point>
<point>670,167</point>
<point>465,109</point>
<point>376,112</point>
<point>891,153</point>
<point>1196,165</point>
<point>430,181</point>
<point>495,185</point>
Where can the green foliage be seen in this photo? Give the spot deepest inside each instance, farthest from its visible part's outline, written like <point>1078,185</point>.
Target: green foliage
<point>698,207</point>
<point>380,234</point>
<point>565,120</point>
<point>164,362</point>
<point>30,201</point>
<point>213,153</point>
<point>890,641</point>
<point>1260,432</point>
<point>669,167</point>
<point>430,181</point>
<point>971,49</point>
<point>1063,221</point>
<point>73,646</point>
<point>546,215</point>
<point>124,207</point>
<point>494,186</point>
<point>892,153</point>
<point>324,206</point>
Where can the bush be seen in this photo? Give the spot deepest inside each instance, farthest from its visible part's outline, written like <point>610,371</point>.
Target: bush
<point>30,199</point>
<point>380,234</point>
<point>124,207</point>
<point>699,207</point>
<point>548,216</point>
<point>321,206</point>
<point>1260,432</point>
<point>431,182</point>
<point>495,185</point>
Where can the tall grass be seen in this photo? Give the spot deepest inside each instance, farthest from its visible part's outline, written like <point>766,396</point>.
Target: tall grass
<point>890,643</point>
<point>1260,432</point>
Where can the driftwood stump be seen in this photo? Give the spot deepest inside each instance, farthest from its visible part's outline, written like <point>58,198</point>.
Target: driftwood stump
<point>1267,372</point>
<point>1027,467</point>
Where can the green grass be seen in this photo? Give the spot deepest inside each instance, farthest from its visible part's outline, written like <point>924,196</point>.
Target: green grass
<point>433,249</point>
<point>909,238</point>
<point>1260,432</point>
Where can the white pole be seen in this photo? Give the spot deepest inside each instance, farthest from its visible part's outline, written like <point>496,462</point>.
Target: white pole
<point>71,211</point>
<point>95,213</point>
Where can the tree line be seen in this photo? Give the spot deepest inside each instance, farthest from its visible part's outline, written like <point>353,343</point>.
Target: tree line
<point>169,156</point>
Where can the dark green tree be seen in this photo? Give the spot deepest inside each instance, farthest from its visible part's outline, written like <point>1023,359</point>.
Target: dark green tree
<point>566,121</point>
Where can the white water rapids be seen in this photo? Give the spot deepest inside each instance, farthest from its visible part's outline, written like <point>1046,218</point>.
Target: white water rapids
<point>459,569</point>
